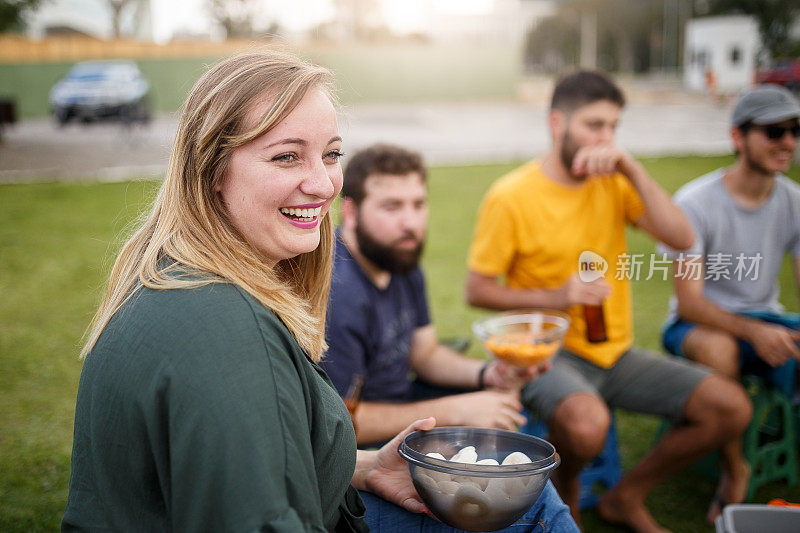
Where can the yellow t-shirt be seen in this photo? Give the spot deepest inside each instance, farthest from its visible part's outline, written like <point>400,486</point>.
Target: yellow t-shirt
<point>533,230</point>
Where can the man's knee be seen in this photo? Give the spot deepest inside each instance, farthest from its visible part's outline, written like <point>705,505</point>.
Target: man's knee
<point>714,348</point>
<point>720,403</point>
<point>580,423</point>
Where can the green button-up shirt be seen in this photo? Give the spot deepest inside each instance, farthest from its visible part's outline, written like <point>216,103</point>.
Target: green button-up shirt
<point>198,411</point>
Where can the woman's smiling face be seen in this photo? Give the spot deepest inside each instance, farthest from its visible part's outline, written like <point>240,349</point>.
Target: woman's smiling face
<point>280,185</point>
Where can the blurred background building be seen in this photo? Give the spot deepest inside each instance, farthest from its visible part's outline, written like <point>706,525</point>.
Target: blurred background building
<point>405,50</point>
<point>721,52</point>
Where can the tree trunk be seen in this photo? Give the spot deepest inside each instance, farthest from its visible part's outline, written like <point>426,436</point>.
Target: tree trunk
<point>116,10</point>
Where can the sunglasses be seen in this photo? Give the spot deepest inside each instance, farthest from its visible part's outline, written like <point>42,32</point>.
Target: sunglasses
<point>777,132</point>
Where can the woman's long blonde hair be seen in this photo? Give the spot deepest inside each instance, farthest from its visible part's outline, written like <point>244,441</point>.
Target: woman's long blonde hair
<point>188,221</point>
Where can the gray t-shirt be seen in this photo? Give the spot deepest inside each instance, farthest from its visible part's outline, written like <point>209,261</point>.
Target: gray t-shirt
<point>743,248</point>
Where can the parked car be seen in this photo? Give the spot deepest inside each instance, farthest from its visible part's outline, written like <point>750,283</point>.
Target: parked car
<point>96,90</point>
<point>8,113</point>
<point>784,72</point>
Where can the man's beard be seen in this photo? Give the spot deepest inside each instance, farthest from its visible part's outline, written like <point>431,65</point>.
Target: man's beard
<point>753,164</point>
<point>388,258</point>
<point>568,150</point>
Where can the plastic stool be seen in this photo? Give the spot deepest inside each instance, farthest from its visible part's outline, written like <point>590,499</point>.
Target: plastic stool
<point>784,377</point>
<point>598,476</point>
<point>770,441</point>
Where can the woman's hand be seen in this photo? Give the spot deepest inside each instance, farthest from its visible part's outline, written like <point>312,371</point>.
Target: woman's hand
<point>388,475</point>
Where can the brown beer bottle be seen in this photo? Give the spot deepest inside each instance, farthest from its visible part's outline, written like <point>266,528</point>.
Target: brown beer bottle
<point>353,398</point>
<point>595,323</point>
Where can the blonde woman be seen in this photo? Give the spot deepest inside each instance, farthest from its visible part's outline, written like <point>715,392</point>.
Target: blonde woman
<point>201,406</point>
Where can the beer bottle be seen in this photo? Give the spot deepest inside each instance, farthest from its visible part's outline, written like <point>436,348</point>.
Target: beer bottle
<point>353,397</point>
<point>595,323</point>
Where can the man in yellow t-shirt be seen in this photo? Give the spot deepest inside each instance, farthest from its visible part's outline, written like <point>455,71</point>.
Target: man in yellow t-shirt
<point>536,226</point>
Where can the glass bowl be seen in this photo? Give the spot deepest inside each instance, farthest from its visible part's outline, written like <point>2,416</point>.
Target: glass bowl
<point>477,497</point>
<point>522,338</point>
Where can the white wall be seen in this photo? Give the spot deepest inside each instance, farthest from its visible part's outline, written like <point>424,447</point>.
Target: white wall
<point>726,45</point>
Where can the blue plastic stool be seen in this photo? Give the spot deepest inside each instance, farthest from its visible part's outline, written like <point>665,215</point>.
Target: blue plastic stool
<point>598,476</point>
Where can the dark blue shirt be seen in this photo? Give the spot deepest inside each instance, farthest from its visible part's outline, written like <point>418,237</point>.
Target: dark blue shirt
<point>369,329</point>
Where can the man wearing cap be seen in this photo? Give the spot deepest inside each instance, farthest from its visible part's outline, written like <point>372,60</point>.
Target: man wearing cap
<point>725,313</point>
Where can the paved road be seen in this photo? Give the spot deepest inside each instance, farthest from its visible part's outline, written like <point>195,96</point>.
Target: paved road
<point>446,133</point>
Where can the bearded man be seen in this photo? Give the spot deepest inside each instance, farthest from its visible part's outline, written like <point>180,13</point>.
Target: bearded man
<point>746,219</point>
<point>379,327</point>
<point>536,227</point>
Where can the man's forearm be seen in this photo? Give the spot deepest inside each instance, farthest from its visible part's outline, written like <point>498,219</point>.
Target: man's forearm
<point>378,422</point>
<point>447,368</point>
<point>491,295</point>
<point>668,223</point>
<point>704,312</point>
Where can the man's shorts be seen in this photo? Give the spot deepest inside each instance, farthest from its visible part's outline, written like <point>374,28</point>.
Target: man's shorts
<point>783,377</point>
<point>640,381</point>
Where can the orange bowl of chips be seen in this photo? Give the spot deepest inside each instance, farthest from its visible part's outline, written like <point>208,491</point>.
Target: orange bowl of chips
<point>523,338</point>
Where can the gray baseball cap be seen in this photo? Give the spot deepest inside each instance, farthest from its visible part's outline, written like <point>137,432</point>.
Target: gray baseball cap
<point>765,104</point>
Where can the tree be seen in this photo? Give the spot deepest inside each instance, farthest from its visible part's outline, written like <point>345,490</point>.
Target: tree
<point>360,18</point>
<point>12,13</point>
<point>116,14</point>
<point>775,18</point>
<point>235,16</point>
<point>630,35</point>
<point>553,44</point>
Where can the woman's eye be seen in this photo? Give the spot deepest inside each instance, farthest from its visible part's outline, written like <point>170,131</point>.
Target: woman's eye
<point>285,158</point>
<point>334,156</point>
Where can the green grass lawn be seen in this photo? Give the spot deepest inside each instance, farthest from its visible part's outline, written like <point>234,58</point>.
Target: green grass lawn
<point>57,242</point>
